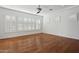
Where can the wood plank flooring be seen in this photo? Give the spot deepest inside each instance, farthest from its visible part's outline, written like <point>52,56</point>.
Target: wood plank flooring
<point>39,43</point>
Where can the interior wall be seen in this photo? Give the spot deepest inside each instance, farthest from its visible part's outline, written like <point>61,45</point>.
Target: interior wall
<point>63,23</point>
<point>14,23</point>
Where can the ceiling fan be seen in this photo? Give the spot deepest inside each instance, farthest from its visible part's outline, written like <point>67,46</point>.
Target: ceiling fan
<point>39,9</point>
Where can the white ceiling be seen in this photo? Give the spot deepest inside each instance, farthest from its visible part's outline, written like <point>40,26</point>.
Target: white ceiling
<point>33,8</point>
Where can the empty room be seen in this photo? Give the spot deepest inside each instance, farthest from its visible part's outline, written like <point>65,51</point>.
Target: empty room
<point>39,28</point>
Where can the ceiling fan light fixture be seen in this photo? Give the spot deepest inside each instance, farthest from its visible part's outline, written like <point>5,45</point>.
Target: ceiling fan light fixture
<point>39,9</point>
<point>50,9</point>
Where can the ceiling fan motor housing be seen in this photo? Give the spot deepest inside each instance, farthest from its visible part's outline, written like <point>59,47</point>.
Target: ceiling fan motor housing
<point>39,9</point>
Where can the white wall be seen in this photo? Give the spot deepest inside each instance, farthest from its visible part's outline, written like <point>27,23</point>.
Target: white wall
<point>63,23</point>
<point>18,18</point>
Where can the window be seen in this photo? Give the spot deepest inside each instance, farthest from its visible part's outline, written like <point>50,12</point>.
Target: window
<point>20,24</point>
<point>38,24</point>
<point>10,23</point>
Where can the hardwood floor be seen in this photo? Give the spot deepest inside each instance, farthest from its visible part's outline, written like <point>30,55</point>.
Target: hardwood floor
<point>39,43</point>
